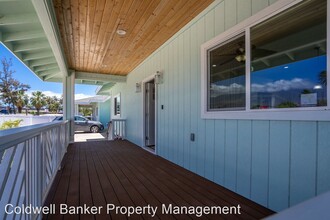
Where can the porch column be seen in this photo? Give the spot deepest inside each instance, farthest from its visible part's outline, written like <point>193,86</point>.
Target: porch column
<point>68,101</point>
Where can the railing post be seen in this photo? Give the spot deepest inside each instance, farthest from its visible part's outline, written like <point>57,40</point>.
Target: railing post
<point>118,128</point>
<point>39,170</point>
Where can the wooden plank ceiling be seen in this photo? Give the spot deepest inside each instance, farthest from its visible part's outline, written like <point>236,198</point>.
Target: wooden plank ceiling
<point>88,30</point>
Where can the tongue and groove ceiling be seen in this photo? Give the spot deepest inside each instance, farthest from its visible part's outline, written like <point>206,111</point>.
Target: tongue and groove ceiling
<point>88,30</point>
<point>52,36</point>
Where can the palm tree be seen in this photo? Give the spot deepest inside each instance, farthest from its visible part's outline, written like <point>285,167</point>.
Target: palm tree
<point>85,111</point>
<point>323,77</point>
<point>53,104</point>
<point>21,101</point>
<point>38,100</point>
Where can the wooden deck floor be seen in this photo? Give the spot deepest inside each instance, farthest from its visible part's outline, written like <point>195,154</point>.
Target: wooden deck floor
<point>104,173</point>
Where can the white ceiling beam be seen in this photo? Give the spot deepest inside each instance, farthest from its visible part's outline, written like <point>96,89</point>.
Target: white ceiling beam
<point>16,19</point>
<point>11,47</point>
<point>37,55</point>
<point>290,55</point>
<point>322,48</point>
<point>266,62</point>
<point>51,76</point>
<point>11,0</point>
<point>100,77</point>
<point>24,35</point>
<point>19,56</point>
<point>45,67</point>
<point>57,78</point>
<point>31,46</point>
<point>41,62</point>
<point>104,89</point>
<point>48,72</point>
<point>47,18</point>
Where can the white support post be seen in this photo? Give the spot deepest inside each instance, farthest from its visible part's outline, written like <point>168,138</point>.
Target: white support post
<point>68,102</point>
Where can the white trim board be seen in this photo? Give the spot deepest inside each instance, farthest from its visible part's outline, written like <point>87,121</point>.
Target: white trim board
<point>144,81</point>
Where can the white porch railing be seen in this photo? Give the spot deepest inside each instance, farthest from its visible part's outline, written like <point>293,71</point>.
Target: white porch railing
<point>29,159</point>
<point>117,129</point>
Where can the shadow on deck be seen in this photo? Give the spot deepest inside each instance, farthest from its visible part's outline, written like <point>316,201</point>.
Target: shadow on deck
<point>120,173</point>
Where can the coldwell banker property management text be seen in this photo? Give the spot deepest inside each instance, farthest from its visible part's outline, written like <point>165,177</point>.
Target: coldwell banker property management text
<point>64,209</point>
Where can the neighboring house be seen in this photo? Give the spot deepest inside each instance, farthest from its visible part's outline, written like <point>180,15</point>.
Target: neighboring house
<point>238,94</point>
<point>100,106</point>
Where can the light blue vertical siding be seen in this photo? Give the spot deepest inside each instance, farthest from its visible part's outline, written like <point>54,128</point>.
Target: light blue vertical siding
<point>219,151</point>
<point>279,164</point>
<point>303,161</point>
<point>165,145</point>
<point>172,108</point>
<point>209,30</point>
<point>230,13</point>
<point>244,9</point>
<point>275,163</point>
<point>209,149</point>
<point>104,116</point>
<point>194,96</point>
<point>201,123</point>
<point>230,154</point>
<point>244,160</point>
<point>257,5</point>
<point>181,122</point>
<point>323,155</point>
<point>219,18</point>
<point>260,160</point>
<point>186,99</point>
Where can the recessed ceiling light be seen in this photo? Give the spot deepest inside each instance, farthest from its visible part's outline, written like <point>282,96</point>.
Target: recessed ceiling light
<point>121,32</point>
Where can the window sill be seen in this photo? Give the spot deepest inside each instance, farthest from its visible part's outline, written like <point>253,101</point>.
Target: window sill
<point>301,114</point>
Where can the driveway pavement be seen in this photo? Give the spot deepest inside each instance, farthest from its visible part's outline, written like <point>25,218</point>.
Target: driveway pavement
<point>87,136</point>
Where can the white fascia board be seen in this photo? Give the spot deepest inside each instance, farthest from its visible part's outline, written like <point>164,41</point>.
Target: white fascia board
<point>45,12</point>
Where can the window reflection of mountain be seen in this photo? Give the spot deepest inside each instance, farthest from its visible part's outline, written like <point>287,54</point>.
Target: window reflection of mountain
<point>271,100</point>
<point>282,99</point>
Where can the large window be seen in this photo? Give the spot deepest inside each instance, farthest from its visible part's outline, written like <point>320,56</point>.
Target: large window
<point>274,63</point>
<point>288,58</point>
<point>227,75</point>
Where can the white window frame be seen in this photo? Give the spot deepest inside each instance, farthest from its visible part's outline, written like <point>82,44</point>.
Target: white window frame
<point>302,113</point>
<point>116,116</point>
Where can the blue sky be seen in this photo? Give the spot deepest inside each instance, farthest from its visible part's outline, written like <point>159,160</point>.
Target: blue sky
<point>308,69</point>
<point>24,75</point>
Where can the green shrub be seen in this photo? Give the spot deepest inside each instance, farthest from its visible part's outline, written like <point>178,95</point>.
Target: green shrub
<point>287,105</point>
<point>10,124</point>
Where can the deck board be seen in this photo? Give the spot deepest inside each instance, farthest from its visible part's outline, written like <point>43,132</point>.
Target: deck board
<point>121,173</point>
